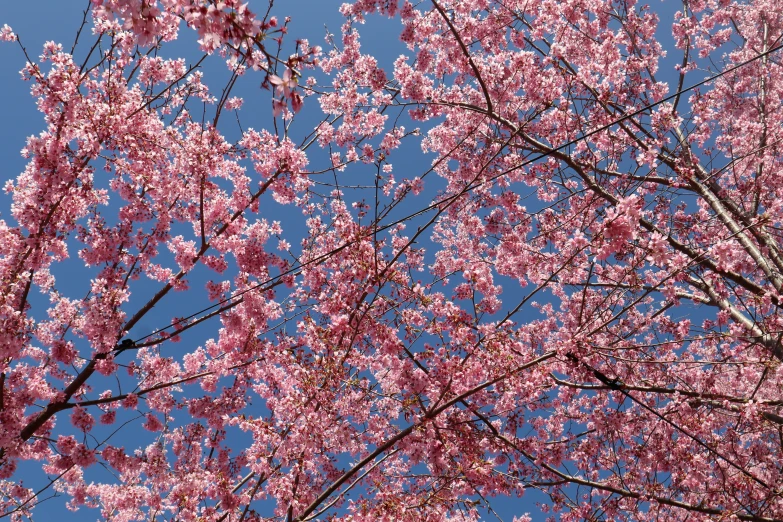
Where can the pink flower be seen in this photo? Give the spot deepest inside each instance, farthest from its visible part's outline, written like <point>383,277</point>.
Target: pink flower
<point>6,34</point>
<point>63,352</point>
<point>296,101</point>
<point>131,401</point>
<point>66,444</point>
<point>278,106</point>
<point>284,85</point>
<point>81,419</point>
<point>153,423</point>
<point>83,456</point>
<point>233,103</point>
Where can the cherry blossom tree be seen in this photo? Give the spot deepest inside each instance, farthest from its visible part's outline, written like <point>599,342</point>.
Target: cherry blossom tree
<point>579,292</point>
